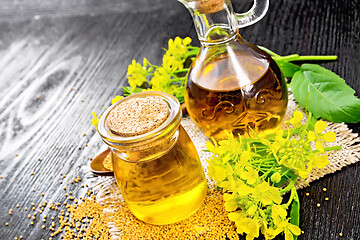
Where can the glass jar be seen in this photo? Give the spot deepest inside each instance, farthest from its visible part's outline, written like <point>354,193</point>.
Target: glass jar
<point>159,172</point>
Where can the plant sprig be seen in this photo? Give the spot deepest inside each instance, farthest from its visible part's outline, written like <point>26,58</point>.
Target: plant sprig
<point>169,77</point>
<point>255,172</point>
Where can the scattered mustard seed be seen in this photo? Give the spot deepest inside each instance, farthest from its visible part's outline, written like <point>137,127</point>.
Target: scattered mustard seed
<point>6,224</point>
<point>32,223</point>
<point>307,194</point>
<point>326,199</point>
<point>324,189</point>
<point>318,205</point>
<point>17,205</point>
<point>25,208</point>
<point>340,234</point>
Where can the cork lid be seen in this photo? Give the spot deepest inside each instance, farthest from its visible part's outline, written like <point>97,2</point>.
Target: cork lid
<point>209,6</point>
<point>137,116</point>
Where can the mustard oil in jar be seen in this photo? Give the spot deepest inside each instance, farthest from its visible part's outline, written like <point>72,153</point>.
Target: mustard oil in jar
<point>166,189</point>
<point>158,171</point>
<point>235,87</point>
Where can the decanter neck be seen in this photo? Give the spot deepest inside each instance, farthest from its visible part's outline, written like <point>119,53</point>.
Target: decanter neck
<point>215,20</point>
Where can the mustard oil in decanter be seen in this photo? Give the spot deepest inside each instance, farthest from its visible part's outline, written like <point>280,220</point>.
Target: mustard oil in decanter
<point>235,89</point>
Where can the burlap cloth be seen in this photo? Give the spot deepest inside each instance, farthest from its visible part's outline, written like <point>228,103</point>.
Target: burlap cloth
<point>106,188</point>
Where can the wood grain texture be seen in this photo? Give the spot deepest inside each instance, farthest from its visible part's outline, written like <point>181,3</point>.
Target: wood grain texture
<point>57,69</point>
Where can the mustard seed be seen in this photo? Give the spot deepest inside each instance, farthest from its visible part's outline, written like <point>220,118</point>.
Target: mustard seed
<point>318,205</point>
<point>324,189</point>
<point>326,199</point>
<point>6,224</point>
<point>340,234</point>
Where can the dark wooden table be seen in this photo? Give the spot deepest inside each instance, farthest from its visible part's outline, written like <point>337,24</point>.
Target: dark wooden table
<point>60,60</point>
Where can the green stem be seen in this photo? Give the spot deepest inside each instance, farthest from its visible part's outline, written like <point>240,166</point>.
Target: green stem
<point>332,148</point>
<point>181,71</point>
<point>289,58</point>
<point>268,51</point>
<point>329,149</point>
<point>288,187</point>
<point>316,58</point>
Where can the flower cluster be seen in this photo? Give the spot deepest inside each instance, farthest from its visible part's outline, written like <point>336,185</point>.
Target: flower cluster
<point>169,77</point>
<point>255,172</point>
<point>296,151</point>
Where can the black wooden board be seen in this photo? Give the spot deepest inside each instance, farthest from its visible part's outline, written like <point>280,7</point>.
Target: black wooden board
<point>60,60</point>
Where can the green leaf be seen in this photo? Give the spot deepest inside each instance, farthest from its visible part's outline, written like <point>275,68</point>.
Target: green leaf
<point>295,209</point>
<point>330,97</point>
<point>287,68</point>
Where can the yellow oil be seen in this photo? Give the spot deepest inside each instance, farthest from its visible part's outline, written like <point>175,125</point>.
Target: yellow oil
<point>166,189</point>
<point>235,88</point>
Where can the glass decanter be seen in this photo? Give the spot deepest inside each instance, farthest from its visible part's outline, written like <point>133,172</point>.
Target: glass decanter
<point>232,86</point>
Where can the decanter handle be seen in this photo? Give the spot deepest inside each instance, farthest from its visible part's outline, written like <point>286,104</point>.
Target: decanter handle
<point>256,13</point>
